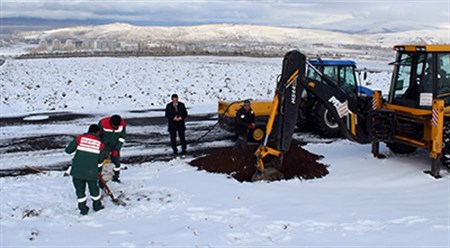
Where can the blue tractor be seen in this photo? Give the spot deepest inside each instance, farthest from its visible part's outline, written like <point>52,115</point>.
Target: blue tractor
<point>312,114</point>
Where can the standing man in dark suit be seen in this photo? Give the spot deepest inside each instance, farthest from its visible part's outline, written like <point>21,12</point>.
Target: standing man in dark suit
<point>176,114</point>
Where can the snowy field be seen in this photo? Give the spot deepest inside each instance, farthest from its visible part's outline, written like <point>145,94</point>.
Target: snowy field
<point>363,202</point>
<point>116,84</point>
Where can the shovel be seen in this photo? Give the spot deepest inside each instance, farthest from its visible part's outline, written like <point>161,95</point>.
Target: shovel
<point>106,189</point>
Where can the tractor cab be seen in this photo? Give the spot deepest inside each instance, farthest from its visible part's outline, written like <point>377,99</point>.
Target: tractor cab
<point>313,115</point>
<point>420,76</point>
<point>342,72</point>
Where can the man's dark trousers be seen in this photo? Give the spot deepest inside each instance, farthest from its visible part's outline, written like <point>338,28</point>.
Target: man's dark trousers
<point>173,140</point>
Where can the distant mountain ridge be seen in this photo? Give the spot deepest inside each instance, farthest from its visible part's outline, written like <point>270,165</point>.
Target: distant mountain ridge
<point>226,37</point>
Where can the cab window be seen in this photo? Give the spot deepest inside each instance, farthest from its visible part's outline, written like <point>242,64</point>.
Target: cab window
<point>402,79</point>
<point>332,73</point>
<point>443,77</point>
<point>410,74</point>
<point>314,75</point>
<point>347,80</point>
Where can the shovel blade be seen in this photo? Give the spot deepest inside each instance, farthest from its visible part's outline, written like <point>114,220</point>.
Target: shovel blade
<point>118,202</point>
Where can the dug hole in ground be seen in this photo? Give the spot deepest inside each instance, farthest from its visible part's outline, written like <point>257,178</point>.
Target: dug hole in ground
<point>297,163</point>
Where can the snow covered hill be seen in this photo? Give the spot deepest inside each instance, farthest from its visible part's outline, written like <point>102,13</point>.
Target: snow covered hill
<point>426,36</point>
<point>258,40</point>
<point>200,34</point>
<point>245,34</point>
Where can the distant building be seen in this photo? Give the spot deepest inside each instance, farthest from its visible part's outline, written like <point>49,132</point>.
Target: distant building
<point>143,46</point>
<point>42,47</point>
<point>101,45</point>
<point>114,46</point>
<point>68,45</point>
<point>78,44</point>
<point>89,45</point>
<point>56,45</point>
<point>129,47</point>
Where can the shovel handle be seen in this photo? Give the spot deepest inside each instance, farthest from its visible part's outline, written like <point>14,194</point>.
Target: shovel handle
<point>105,186</point>
<point>109,192</point>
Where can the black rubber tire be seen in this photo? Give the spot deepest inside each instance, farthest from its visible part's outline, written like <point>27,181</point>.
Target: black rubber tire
<point>324,123</point>
<point>261,133</point>
<point>400,148</point>
<point>445,158</point>
<point>304,121</point>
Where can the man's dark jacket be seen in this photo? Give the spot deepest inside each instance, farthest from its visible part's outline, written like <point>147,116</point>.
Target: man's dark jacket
<point>171,112</point>
<point>243,119</point>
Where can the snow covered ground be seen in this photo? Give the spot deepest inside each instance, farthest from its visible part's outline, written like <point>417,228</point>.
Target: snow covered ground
<point>121,84</point>
<point>363,202</point>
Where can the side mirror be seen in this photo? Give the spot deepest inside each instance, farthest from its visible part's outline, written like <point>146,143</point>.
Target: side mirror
<point>362,76</point>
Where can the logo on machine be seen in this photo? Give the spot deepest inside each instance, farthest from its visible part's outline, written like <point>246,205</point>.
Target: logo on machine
<point>293,84</point>
<point>341,107</point>
<point>294,91</point>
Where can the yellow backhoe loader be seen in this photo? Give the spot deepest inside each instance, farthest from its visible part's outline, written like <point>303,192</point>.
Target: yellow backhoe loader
<point>415,115</point>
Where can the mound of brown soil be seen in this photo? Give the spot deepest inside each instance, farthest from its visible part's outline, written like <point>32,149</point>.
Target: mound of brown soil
<point>298,163</point>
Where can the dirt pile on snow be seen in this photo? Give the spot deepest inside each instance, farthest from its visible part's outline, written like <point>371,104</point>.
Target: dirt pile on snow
<point>298,163</point>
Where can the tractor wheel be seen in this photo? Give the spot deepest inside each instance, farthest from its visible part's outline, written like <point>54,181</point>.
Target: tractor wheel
<point>445,158</point>
<point>304,122</point>
<point>324,123</point>
<point>400,148</point>
<point>258,134</point>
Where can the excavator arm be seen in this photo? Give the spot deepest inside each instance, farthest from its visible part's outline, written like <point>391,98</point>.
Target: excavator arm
<point>282,120</point>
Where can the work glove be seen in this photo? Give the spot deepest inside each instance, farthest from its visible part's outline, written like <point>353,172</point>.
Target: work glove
<point>115,153</point>
<point>67,172</point>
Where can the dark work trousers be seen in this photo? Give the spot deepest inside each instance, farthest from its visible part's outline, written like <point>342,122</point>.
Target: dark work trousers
<point>115,160</point>
<point>173,140</point>
<point>241,143</point>
<point>80,190</point>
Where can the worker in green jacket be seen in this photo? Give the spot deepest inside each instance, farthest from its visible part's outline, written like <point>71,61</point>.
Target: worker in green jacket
<point>86,165</point>
<point>113,134</point>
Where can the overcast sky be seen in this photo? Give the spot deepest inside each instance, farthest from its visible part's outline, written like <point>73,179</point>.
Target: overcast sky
<point>350,15</point>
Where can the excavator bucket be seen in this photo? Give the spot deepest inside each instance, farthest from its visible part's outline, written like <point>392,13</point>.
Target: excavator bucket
<point>270,171</point>
<point>268,174</point>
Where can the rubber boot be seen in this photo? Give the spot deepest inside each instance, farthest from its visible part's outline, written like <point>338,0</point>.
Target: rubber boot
<point>97,205</point>
<point>116,177</point>
<point>83,208</point>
